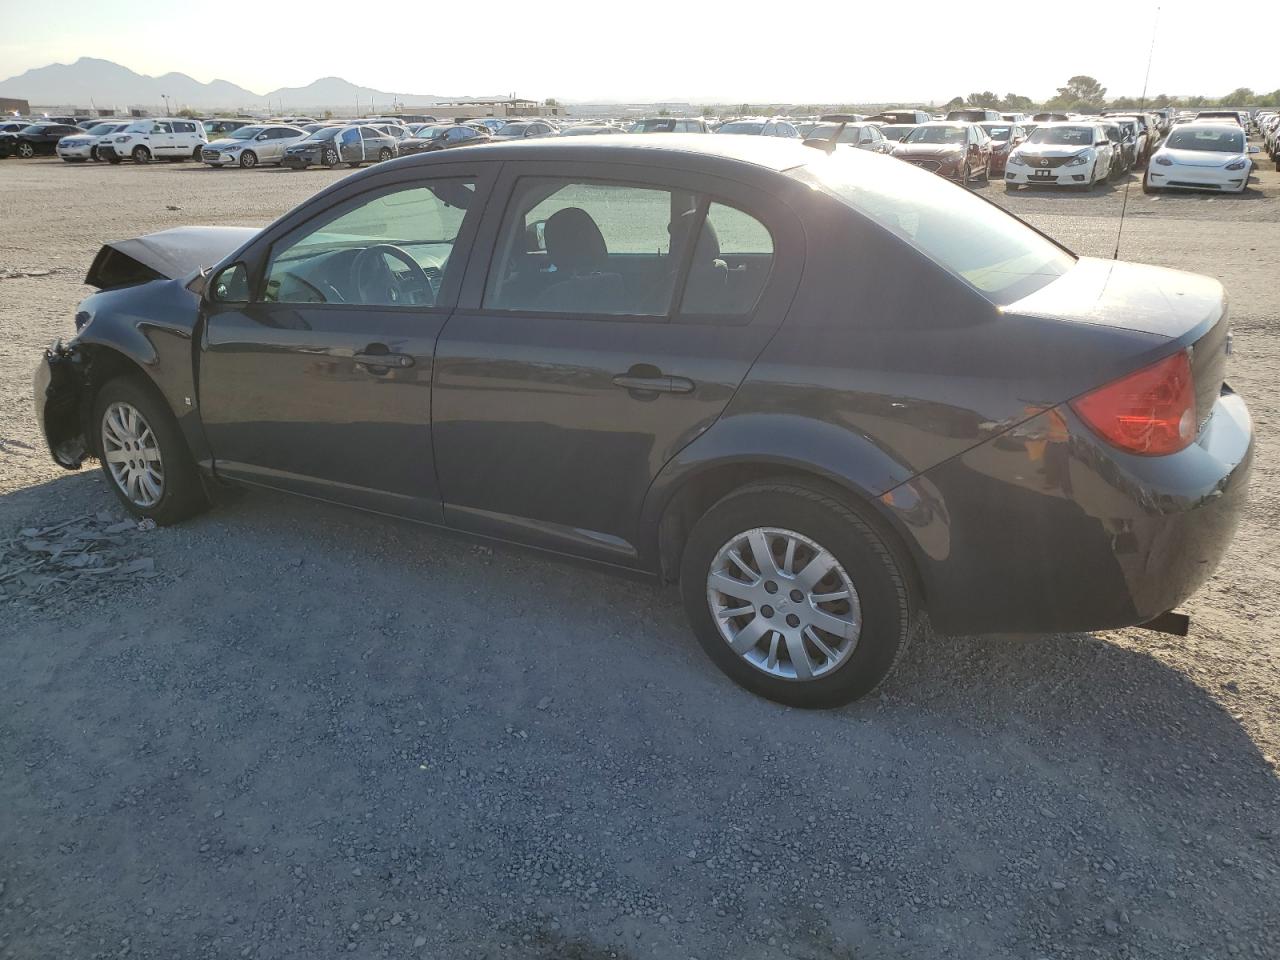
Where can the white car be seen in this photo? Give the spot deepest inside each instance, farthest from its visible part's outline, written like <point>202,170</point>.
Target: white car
<point>1201,156</point>
<point>80,147</point>
<point>252,145</point>
<point>167,138</point>
<point>1064,153</point>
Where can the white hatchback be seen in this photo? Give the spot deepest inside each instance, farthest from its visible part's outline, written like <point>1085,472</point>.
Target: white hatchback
<point>168,138</point>
<point>1201,156</point>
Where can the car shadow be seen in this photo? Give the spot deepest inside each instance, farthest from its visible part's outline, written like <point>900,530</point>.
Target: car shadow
<point>347,674</point>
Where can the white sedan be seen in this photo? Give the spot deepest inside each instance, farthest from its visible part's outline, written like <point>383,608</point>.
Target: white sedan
<point>252,145</point>
<point>1201,156</point>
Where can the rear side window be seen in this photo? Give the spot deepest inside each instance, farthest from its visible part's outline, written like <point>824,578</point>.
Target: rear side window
<point>993,251</point>
<point>730,266</point>
<point>182,127</point>
<point>585,248</point>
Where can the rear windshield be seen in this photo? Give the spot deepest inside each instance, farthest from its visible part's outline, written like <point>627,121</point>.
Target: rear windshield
<point>825,131</point>
<point>1212,139</point>
<point>995,252</point>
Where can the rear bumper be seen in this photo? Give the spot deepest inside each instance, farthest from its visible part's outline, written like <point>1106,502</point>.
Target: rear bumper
<point>1031,532</point>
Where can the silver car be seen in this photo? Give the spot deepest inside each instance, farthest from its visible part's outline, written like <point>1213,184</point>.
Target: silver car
<point>252,145</point>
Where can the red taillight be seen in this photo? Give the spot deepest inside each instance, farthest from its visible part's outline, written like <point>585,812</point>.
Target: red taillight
<point>1149,412</point>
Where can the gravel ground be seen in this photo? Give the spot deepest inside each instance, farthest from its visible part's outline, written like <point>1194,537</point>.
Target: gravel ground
<point>305,732</point>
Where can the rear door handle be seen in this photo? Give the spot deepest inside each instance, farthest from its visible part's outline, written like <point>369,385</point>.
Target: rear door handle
<point>383,359</point>
<point>659,384</point>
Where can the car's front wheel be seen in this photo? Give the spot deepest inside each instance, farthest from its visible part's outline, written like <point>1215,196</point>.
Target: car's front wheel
<point>330,157</point>
<point>143,454</point>
<point>795,596</point>
<point>248,160</point>
<point>25,150</point>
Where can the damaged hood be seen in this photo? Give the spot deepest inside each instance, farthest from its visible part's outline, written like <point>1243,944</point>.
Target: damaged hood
<point>170,254</point>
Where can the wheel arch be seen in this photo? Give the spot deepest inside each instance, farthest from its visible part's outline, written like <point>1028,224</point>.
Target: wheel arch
<point>687,498</point>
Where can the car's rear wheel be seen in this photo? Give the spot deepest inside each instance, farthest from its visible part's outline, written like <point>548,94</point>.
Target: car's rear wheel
<point>384,155</point>
<point>25,150</point>
<point>143,454</point>
<point>196,152</point>
<point>794,596</point>
<point>248,160</point>
<point>141,155</point>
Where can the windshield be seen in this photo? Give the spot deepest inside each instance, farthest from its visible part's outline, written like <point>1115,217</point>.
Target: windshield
<point>751,126</point>
<point>825,131</point>
<point>659,125</point>
<point>245,133</point>
<point>998,131</point>
<point>1063,136</point>
<point>937,135</point>
<point>580,131</point>
<point>1210,139</point>
<point>898,130</point>
<point>325,133</point>
<point>514,129</point>
<point>428,132</point>
<point>34,128</point>
<point>98,129</point>
<point>974,239</point>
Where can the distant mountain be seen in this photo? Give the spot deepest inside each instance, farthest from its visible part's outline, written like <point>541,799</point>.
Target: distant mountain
<point>90,81</point>
<point>110,85</point>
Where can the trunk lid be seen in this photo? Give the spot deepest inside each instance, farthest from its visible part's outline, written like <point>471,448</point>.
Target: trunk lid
<point>1173,307</point>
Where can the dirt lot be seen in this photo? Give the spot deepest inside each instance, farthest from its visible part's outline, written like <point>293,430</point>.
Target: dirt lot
<point>305,732</point>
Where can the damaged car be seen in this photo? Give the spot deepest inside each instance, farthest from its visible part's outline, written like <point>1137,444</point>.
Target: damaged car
<point>644,355</point>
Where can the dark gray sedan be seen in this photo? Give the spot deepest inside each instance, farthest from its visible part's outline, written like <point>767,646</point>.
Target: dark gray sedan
<point>354,144</point>
<point>823,393</point>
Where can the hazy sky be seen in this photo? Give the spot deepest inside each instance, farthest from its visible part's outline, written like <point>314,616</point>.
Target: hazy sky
<point>660,50</point>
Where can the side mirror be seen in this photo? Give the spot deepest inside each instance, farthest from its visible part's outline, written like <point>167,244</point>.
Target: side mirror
<point>261,136</point>
<point>229,285</point>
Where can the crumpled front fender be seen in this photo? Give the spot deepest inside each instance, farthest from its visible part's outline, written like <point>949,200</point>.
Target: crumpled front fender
<point>60,396</point>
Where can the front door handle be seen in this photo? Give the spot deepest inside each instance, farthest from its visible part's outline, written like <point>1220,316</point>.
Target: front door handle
<point>658,384</point>
<point>383,359</point>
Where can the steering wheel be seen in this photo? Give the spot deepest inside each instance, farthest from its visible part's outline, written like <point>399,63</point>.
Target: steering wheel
<point>375,283</point>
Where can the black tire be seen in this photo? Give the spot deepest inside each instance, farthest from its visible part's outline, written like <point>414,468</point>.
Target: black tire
<point>330,158</point>
<point>964,176</point>
<point>93,154</point>
<point>196,151</point>
<point>248,160</point>
<point>876,570</point>
<point>384,154</point>
<point>183,494</point>
<point>24,150</point>
<point>1147,187</point>
<point>141,155</point>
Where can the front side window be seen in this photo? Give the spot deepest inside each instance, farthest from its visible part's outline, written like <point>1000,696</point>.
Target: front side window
<point>976,240</point>
<point>185,127</point>
<point>162,128</point>
<point>392,250</point>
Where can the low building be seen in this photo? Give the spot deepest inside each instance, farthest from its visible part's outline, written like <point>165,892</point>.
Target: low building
<point>475,109</point>
<point>12,106</point>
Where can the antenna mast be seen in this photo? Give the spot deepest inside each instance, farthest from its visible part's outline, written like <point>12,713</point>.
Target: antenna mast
<point>1142,105</point>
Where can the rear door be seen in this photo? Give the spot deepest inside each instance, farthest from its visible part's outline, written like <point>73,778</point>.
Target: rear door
<point>317,379</point>
<point>607,333</point>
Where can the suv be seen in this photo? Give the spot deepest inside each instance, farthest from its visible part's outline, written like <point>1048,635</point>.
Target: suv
<point>900,117</point>
<point>168,138</point>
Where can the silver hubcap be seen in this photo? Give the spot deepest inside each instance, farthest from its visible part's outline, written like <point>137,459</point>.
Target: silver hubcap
<point>784,604</point>
<point>132,454</point>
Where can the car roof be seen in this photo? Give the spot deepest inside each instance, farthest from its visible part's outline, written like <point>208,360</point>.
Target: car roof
<point>771,153</point>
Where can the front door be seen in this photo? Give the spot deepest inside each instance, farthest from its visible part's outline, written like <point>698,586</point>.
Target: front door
<point>161,142</point>
<point>350,146</point>
<point>321,382</point>
<point>611,328</point>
